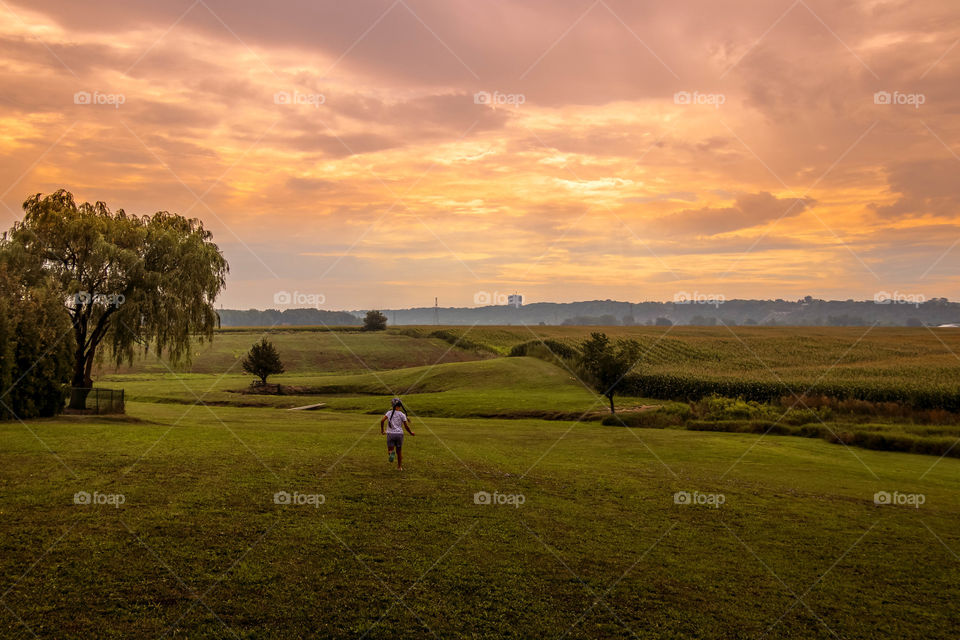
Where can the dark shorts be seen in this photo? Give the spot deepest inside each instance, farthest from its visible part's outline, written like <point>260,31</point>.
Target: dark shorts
<point>395,440</point>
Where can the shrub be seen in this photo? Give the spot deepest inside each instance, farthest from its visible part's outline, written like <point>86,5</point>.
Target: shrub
<point>410,332</point>
<point>854,405</point>
<point>374,321</point>
<point>938,416</point>
<point>739,426</point>
<point>840,437</point>
<point>537,348</point>
<point>884,441</point>
<point>681,410</point>
<point>937,447</point>
<point>459,341</point>
<point>36,356</point>
<point>804,416</point>
<point>813,431</point>
<point>707,425</point>
<point>35,361</point>
<point>650,419</point>
<point>722,408</point>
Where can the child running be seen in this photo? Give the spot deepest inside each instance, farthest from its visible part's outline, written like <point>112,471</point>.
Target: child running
<point>396,420</point>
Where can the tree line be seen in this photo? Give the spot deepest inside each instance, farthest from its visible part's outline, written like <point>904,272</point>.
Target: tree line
<point>802,312</point>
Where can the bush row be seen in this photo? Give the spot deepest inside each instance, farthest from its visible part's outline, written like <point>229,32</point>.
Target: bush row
<point>534,347</point>
<point>447,336</point>
<point>460,342</point>
<point>663,418</point>
<point>865,439</point>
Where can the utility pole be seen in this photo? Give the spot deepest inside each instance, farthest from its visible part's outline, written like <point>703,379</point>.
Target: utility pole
<point>436,312</point>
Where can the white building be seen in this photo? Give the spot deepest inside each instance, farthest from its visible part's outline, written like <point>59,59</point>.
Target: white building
<point>515,300</point>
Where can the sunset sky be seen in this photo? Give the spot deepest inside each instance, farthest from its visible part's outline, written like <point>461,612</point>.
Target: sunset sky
<point>634,149</point>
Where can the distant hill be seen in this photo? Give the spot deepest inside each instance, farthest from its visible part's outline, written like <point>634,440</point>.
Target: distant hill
<point>805,312</point>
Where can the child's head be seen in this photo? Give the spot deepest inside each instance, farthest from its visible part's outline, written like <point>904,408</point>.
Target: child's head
<point>396,403</point>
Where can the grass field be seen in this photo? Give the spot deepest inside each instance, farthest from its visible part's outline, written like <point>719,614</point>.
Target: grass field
<point>584,538</point>
<point>305,350</point>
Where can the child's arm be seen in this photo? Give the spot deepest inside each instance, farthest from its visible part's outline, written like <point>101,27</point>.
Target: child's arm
<point>382,420</point>
<point>407,425</point>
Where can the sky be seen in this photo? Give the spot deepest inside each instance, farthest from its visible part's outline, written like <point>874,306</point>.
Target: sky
<point>379,154</point>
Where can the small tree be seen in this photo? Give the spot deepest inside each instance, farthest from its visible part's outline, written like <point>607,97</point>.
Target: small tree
<point>262,360</point>
<point>608,364</point>
<point>375,321</point>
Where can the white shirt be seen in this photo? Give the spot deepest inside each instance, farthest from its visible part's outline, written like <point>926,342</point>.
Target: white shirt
<point>395,424</point>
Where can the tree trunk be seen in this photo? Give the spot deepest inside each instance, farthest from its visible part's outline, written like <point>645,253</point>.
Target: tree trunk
<point>79,390</point>
<point>79,387</point>
<point>610,397</point>
<point>88,369</point>
<point>82,381</point>
<point>83,358</point>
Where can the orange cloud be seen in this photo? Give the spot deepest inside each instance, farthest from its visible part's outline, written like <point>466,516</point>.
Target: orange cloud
<point>625,150</point>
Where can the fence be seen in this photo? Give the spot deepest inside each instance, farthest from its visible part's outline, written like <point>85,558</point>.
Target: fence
<point>99,400</point>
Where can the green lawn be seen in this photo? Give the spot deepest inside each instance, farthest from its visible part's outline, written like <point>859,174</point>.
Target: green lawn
<point>587,540</point>
<point>597,549</point>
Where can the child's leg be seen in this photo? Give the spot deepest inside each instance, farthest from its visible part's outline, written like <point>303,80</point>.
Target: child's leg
<point>399,458</point>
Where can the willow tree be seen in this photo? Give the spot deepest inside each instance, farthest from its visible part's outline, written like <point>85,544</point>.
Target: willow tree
<point>128,282</point>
